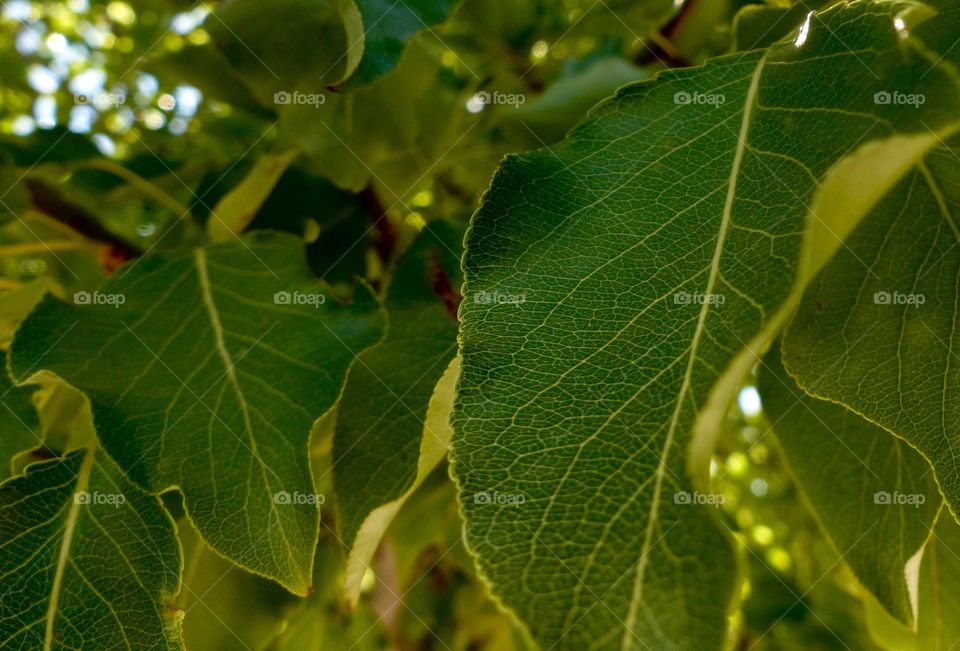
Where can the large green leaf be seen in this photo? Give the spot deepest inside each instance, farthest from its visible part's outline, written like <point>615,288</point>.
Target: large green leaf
<point>873,495</point>
<point>89,561</point>
<point>594,342</point>
<point>383,427</point>
<point>205,369</point>
<point>378,31</point>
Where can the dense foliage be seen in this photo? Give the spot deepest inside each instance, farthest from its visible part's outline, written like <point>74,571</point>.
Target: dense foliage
<point>479,325</point>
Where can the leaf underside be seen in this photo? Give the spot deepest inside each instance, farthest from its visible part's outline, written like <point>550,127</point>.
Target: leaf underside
<point>203,381</point>
<point>88,560</point>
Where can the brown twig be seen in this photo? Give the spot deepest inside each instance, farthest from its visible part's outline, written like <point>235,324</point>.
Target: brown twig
<point>50,201</point>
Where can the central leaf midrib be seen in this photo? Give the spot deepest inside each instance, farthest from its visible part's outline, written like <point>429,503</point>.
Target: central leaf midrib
<point>660,471</point>
<point>73,515</point>
<point>206,291</point>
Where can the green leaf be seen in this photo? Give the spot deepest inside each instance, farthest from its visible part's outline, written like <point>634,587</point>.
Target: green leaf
<point>18,421</point>
<point>323,622</point>
<point>353,141</point>
<point>16,305</point>
<point>874,496</point>
<point>226,608</point>
<point>281,46</point>
<point>597,358</point>
<point>938,580</point>
<point>379,30</point>
<point>205,370</point>
<point>89,561</point>
<point>392,425</point>
<point>433,448</point>
<point>234,212</point>
<point>567,101</point>
<point>875,331</point>
<point>762,25</point>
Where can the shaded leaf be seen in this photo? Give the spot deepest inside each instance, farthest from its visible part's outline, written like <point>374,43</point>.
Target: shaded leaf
<point>236,209</point>
<point>281,46</point>
<point>392,425</point>
<point>19,424</point>
<point>873,495</point>
<point>567,101</point>
<point>762,25</point>
<point>379,30</point>
<point>433,448</point>
<point>205,370</point>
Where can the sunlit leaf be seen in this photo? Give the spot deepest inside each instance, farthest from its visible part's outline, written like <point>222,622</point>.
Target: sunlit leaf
<point>89,561</point>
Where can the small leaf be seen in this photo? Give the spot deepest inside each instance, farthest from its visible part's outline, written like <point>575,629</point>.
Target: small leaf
<point>390,431</point>
<point>234,212</point>
<point>278,47</point>
<point>88,562</point>
<point>378,32</point>
<point>567,101</point>
<point>433,448</point>
<point>19,424</point>
<point>762,25</point>
<point>205,370</point>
